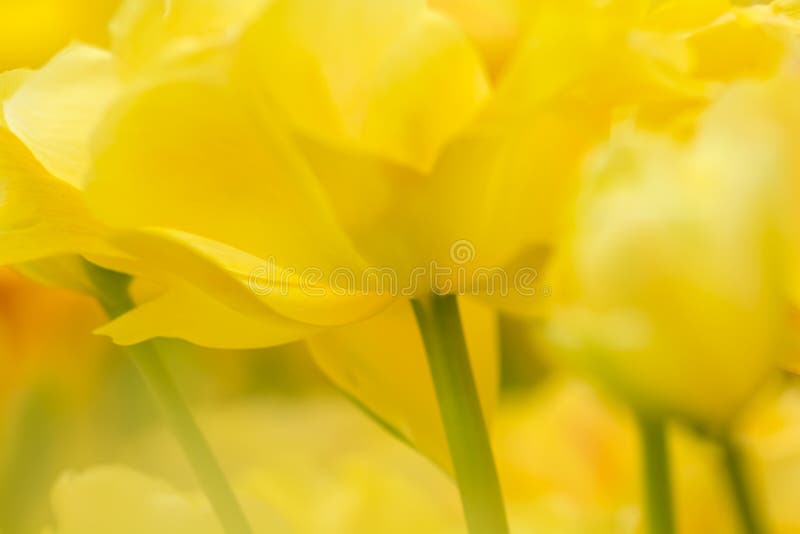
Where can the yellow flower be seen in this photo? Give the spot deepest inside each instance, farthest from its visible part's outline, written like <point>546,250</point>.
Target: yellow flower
<point>219,140</point>
<point>676,284</point>
<point>55,113</point>
<point>355,147</point>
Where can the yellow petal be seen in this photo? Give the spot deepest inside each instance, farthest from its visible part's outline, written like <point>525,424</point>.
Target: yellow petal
<point>427,89</point>
<point>234,195</point>
<point>246,283</point>
<point>603,62</point>
<point>387,209</point>
<point>31,32</point>
<point>145,31</point>
<point>382,363</point>
<point>676,15</point>
<point>58,271</point>
<point>314,55</point>
<point>58,107</point>
<point>394,78</point>
<point>40,216</point>
<point>762,120</point>
<point>10,81</point>
<point>519,182</point>
<point>504,195</point>
<point>185,312</point>
<point>493,25</point>
<point>210,169</point>
<point>745,43</point>
<point>790,7</point>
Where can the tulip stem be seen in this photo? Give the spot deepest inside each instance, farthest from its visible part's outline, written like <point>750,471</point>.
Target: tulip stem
<point>113,294</point>
<point>737,479</point>
<point>462,417</point>
<point>656,471</point>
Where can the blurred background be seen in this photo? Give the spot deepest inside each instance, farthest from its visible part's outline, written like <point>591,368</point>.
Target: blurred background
<point>83,449</point>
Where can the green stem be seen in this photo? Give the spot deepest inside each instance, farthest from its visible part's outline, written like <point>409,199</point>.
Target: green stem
<point>656,469</point>
<point>113,294</point>
<point>468,441</point>
<point>737,479</point>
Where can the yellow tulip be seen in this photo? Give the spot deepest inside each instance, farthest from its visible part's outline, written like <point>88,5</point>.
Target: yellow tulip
<point>79,86</point>
<point>215,137</point>
<point>675,283</point>
<point>205,86</point>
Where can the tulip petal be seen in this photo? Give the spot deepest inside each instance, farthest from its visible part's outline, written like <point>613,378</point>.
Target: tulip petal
<point>10,82</point>
<point>186,313</point>
<point>32,31</point>
<point>494,25</point>
<point>56,110</point>
<point>249,284</point>
<point>145,31</point>
<point>505,195</point>
<point>211,170</point>
<point>215,171</point>
<point>677,15</point>
<point>427,90</point>
<point>746,43</point>
<point>40,216</point>
<point>342,71</point>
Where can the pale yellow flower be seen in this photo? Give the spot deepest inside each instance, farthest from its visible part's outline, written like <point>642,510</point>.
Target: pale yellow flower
<point>677,291</point>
